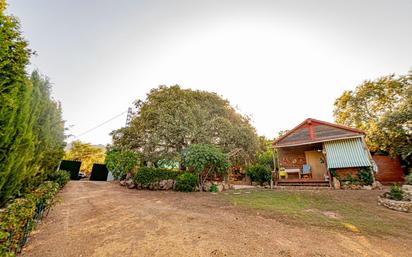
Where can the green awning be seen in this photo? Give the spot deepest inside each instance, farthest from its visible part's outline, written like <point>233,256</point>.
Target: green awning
<point>346,153</point>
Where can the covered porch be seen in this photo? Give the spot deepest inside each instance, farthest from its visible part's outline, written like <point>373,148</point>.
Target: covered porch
<point>307,153</point>
<point>303,164</point>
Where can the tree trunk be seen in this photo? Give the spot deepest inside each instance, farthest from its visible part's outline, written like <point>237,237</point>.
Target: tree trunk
<point>182,167</point>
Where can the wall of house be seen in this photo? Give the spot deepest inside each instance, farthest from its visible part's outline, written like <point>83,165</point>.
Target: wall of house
<point>389,169</point>
<point>294,157</point>
<point>343,172</point>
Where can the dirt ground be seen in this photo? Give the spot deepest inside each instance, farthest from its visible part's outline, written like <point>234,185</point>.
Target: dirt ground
<point>105,219</point>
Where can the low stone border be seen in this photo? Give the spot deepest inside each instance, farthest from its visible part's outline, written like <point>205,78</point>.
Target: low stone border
<point>403,206</point>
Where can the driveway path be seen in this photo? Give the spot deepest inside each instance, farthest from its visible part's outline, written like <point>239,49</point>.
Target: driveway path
<point>104,219</point>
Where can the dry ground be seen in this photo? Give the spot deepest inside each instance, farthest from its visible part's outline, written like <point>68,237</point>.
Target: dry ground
<point>104,219</point>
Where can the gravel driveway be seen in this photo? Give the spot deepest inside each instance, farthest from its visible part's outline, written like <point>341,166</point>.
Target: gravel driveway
<point>105,219</point>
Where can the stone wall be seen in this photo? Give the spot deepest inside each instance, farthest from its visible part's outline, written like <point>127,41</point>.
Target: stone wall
<point>404,206</point>
<point>170,184</point>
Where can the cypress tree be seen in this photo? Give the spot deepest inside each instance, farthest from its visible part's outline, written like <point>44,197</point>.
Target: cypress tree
<point>16,142</point>
<point>31,126</point>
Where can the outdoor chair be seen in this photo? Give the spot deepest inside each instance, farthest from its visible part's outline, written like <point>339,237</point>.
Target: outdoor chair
<point>306,172</point>
<point>282,173</point>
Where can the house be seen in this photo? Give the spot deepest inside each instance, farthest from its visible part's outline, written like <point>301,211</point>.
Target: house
<point>308,153</point>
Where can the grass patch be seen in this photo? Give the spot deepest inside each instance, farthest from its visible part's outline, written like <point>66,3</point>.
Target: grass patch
<point>325,209</point>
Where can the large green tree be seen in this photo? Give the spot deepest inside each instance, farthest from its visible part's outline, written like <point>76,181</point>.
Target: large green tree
<point>86,153</point>
<point>172,118</point>
<point>16,144</point>
<point>31,128</point>
<point>48,125</point>
<point>382,108</point>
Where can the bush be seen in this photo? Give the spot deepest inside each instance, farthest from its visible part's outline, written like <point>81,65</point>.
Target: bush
<point>20,217</point>
<point>206,161</point>
<point>121,162</point>
<point>149,175</point>
<point>259,173</point>
<point>396,193</point>
<point>365,176</point>
<point>186,182</point>
<point>408,179</point>
<point>349,179</point>
<point>61,177</point>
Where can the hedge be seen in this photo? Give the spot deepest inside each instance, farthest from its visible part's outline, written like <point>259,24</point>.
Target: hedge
<point>32,130</point>
<point>148,175</point>
<point>19,218</point>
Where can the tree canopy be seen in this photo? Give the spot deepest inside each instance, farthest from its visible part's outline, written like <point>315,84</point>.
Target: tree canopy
<point>383,109</point>
<point>86,153</point>
<point>172,118</point>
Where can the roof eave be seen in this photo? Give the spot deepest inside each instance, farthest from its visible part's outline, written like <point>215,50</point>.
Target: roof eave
<point>316,141</point>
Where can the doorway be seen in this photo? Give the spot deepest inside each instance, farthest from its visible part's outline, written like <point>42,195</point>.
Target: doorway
<point>314,159</point>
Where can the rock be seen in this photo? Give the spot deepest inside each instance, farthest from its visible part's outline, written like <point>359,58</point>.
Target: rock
<point>207,185</point>
<point>336,183</point>
<point>122,182</point>
<point>170,184</point>
<point>130,184</point>
<point>407,192</point>
<point>377,185</point>
<point>265,184</point>
<point>255,184</point>
<point>407,188</point>
<point>219,188</point>
<point>166,184</point>
<point>347,186</point>
<point>355,187</point>
<point>155,186</point>
<point>162,184</point>
<point>129,175</point>
<point>403,206</point>
<point>367,187</point>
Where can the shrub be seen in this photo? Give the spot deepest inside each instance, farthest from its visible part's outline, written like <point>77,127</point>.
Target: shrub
<point>61,177</point>
<point>186,182</point>
<point>351,179</point>
<point>205,161</point>
<point>20,216</point>
<point>396,193</point>
<point>149,175</point>
<point>43,195</point>
<point>365,176</point>
<point>13,223</point>
<point>408,179</point>
<point>259,173</point>
<point>121,162</point>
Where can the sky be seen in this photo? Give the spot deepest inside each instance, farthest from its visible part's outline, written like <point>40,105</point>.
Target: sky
<point>278,61</point>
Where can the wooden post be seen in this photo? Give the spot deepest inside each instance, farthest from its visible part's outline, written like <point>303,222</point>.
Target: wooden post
<point>370,158</point>
<point>326,166</point>
<point>274,173</point>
